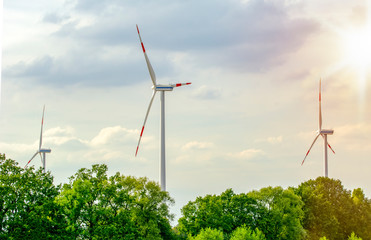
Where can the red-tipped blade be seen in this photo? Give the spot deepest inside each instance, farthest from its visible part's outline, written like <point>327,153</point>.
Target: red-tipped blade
<point>150,69</point>
<point>31,159</point>
<point>145,120</point>
<point>330,148</point>
<point>180,84</point>
<point>310,148</point>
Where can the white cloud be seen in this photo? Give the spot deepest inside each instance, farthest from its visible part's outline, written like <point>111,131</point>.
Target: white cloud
<point>16,147</point>
<point>207,92</point>
<point>195,145</point>
<point>110,135</point>
<point>248,154</point>
<point>271,140</point>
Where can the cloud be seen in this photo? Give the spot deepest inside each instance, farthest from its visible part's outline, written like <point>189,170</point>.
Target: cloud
<point>77,68</point>
<point>353,137</point>
<point>247,154</point>
<point>55,18</point>
<point>100,48</point>
<point>16,147</point>
<point>111,135</point>
<point>207,92</point>
<point>271,140</point>
<point>195,145</point>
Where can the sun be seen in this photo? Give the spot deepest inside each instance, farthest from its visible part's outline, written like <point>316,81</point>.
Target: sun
<point>357,44</point>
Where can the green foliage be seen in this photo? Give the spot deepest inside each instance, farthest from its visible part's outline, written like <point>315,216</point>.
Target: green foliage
<point>225,212</point>
<point>208,234</point>
<point>280,213</point>
<point>275,211</point>
<point>116,207</point>
<point>244,233</point>
<point>361,214</point>
<point>331,211</point>
<point>353,236</point>
<point>94,205</point>
<point>27,206</point>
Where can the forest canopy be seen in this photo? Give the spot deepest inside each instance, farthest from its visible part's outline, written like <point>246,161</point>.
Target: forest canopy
<point>93,205</point>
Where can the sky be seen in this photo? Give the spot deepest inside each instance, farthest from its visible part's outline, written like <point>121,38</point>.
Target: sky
<point>246,121</point>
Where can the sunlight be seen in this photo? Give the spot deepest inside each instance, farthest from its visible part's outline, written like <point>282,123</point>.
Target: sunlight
<point>358,49</point>
<point>357,55</point>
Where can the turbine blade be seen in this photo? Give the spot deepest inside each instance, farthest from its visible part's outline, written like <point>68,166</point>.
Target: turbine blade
<point>328,144</point>
<point>150,69</point>
<point>320,110</point>
<point>310,148</point>
<point>145,120</point>
<point>41,133</point>
<point>180,84</point>
<point>331,148</point>
<point>31,159</point>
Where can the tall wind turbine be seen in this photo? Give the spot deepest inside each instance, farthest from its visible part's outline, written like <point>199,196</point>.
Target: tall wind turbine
<point>162,89</point>
<point>323,133</point>
<point>42,151</point>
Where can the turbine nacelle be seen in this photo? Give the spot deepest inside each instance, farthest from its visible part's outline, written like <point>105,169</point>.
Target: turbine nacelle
<point>326,131</point>
<point>163,88</point>
<point>43,150</point>
<point>169,87</point>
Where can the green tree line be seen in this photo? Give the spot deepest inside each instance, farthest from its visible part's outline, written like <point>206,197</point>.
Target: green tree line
<point>93,205</point>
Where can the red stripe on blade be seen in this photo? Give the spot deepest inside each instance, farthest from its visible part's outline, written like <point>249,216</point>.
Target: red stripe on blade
<point>141,133</point>
<point>136,151</point>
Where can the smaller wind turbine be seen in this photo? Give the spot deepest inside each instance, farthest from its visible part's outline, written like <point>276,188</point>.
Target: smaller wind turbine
<point>323,133</point>
<point>42,151</point>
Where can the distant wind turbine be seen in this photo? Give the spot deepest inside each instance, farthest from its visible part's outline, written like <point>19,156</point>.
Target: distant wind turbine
<point>158,88</point>
<point>323,133</point>
<point>42,151</point>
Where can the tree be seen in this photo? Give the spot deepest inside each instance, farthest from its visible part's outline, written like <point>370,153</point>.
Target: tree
<point>323,238</point>
<point>328,209</point>
<point>116,207</point>
<point>361,214</point>
<point>208,234</point>
<point>353,236</point>
<point>244,233</point>
<point>225,212</point>
<point>280,213</point>
<point>27,205</point>
<point>276,212</point>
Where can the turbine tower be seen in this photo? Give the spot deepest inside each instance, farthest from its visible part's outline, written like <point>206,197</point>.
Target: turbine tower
<point>323,133</point>
<point>162,89</point>
<point>42,151</point>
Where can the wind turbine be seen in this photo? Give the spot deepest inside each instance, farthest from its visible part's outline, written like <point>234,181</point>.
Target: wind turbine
<point>162,89</point>
<point>323,133</point>
<point>42,151</point>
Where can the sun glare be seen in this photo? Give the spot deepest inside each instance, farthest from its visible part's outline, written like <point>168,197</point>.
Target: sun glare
<point>358,49</point>
<point>357,55</point>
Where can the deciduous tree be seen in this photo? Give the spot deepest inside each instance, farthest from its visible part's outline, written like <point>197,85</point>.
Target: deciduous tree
<point>27,204</point>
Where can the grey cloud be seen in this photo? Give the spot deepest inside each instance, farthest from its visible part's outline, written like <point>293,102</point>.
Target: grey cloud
<point>251,37</point>
<point>55,18</point>
<point>225,34</point>
<point>77,69</point>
